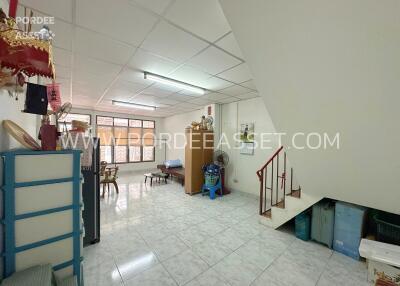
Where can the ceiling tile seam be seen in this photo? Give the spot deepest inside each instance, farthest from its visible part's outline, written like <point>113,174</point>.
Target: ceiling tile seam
<point>45,14</point>
<point>139,47</point>
<point>105,35</point>
<point>162,16</point>
<point>212,44</point>
<point>145,9</point>
<point>159,17</point>
<point>126,64</point>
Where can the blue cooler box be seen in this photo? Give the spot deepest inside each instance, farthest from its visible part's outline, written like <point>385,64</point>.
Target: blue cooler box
<point>349,227</point>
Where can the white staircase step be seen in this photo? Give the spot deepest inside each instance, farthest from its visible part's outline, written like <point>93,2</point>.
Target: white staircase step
<point>41,275</point>
<point>293,206</point>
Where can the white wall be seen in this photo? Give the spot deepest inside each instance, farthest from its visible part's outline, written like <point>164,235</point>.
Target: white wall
<point>175,126</point>
<point>11,109</point>
<point>330,66</point>
<point>160,150</point>
<point>241,171</point>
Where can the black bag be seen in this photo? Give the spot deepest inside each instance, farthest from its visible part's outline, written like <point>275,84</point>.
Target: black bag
<point>36,99</point>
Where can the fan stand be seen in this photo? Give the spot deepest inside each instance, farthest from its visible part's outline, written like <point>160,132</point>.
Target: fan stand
<point>225,191</point>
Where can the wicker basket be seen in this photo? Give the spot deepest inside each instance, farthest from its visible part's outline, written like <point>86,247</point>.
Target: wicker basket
<point>210,179</point>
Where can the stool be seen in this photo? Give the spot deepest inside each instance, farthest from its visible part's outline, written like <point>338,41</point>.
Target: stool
<point>212,189</point>
<point>149,175</point>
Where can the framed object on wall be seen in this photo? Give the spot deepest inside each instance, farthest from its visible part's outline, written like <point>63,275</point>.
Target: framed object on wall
<point>247,132</point>
<point>247,148</point>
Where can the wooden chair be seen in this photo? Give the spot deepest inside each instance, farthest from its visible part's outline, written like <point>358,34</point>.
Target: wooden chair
<point>108,175</point>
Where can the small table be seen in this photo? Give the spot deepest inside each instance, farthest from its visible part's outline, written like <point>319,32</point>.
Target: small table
<point>161,176</point>
<point>155,175</point>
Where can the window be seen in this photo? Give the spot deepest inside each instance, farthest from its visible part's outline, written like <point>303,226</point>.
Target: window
<point>125,140</point>
<point>65,124</point>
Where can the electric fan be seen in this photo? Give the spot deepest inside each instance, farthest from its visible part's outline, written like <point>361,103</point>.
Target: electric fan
<point>221,159</point>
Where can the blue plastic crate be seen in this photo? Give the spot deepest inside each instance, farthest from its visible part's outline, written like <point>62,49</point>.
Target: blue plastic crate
<point>348,230</point>
<point>303,226</point>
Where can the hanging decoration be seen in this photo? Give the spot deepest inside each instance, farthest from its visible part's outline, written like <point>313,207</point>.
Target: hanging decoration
<point>54,96</point>
<point>32,56</point>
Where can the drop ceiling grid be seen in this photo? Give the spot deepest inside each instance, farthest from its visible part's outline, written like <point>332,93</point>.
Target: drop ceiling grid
<point>161,18</point>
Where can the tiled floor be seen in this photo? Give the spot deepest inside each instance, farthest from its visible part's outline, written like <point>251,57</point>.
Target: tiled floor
<point>160,236</point>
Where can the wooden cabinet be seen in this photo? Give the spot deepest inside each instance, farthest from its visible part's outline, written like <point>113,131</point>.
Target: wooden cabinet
<point>199,150</point>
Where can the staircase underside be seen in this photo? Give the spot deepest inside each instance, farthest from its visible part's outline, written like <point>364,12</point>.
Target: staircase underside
<point>283,212</point>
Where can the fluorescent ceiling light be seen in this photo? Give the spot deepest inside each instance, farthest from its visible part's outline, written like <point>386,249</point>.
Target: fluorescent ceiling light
<point>133,105</point>
<point>173,82</point>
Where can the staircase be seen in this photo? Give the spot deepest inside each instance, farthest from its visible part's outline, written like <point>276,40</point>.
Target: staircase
<point>280,200</point>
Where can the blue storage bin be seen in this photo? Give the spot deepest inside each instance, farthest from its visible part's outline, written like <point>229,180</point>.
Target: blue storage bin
<point>303,226</point>
<point>348,230</point>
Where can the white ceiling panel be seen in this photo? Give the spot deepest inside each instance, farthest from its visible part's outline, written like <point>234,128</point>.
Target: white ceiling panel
<point>62,71</point>
<point>190,75</point>
<point>156,91</point>
<point>102,47</point>
<point>201,101</point>
<point>214,61</point>
<point>168,101</point>
<point>147,100</point>
<point>62,34</point>
<point>249,84</point>
<point>168,41</point>
<point>214,83</point>
<point>87,89</point>
<point>237,74</point>
<point>180,97</point>
<point>203,18</point>
<point>187,105</point>
<point>83,65</point>
<point>248,95</point>
<point>56,8</point>
<point>157,6</point>
<point>62,57</point>
<point>118,94</point>
<point>81,101</point>
<point>132,75</point>
<point>131,87</point>
<point>228,100</point>
<point>166,87</point>
<point>229,44</point>
<point>215,96</point>
<point>118,19</point>
<point>235,90</point>
<point>150,62</point>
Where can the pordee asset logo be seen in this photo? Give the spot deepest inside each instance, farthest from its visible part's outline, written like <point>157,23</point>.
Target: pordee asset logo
<point>44,34</point>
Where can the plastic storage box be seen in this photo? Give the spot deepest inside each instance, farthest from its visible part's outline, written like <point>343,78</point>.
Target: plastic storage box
<point>323,218</point>
<point>303,226</point>
<point>42,211</point>
<point>349,228</point>
<point>388,228</point>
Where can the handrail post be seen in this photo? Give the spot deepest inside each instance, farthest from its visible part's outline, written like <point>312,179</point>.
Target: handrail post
<point>272,182</point>
<point>261,192</point>
<point>284,176</point>
<point>277,179</point>
<point>291,180</point>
